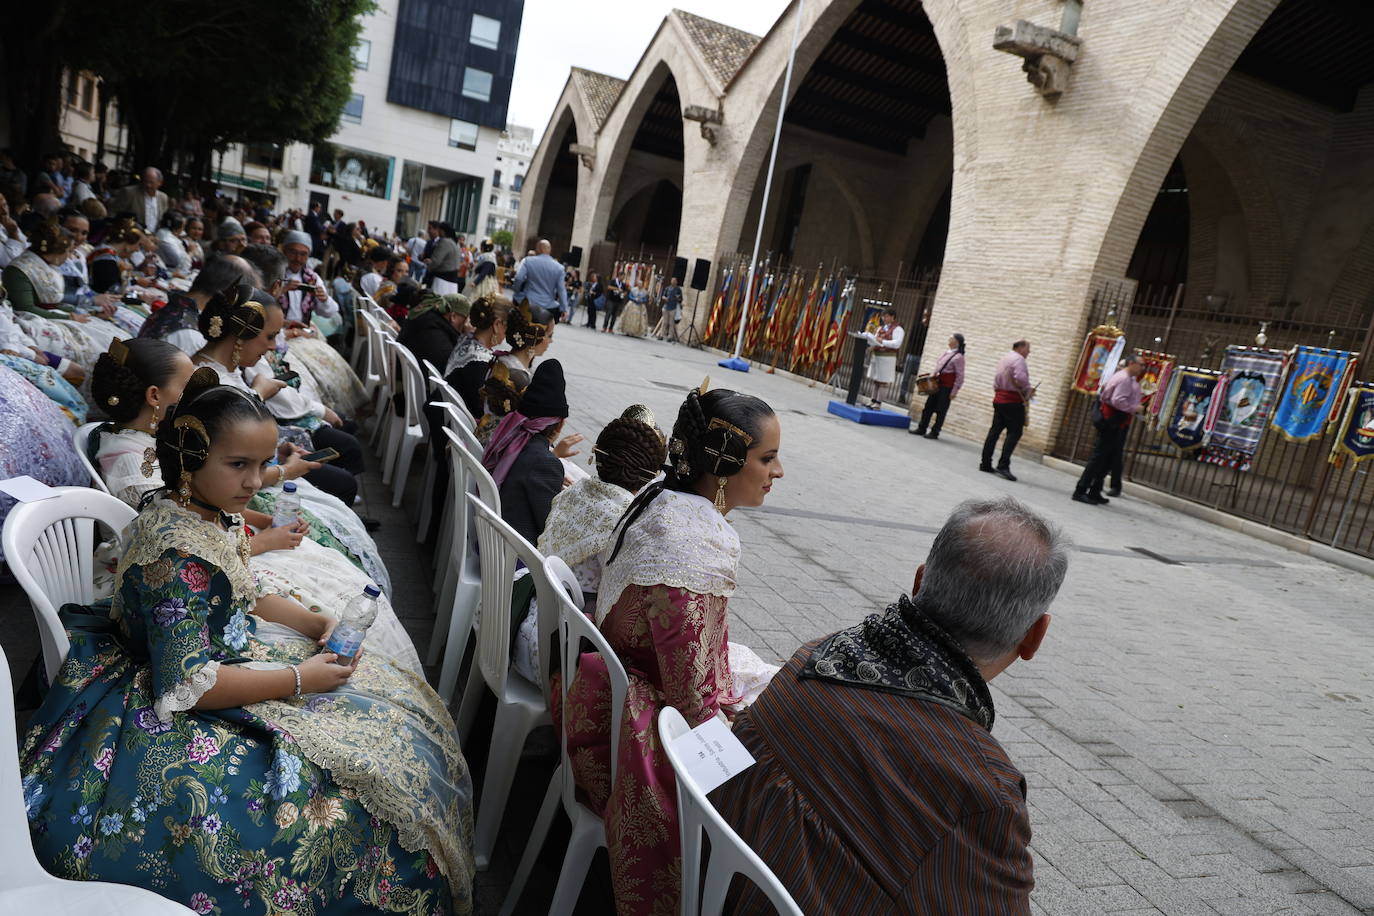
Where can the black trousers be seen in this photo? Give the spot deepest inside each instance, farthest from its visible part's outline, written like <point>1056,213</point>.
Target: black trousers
<point>1107,451</point>
<point>1008,418</point>
<point>337,477</point>
<point>937,405</point>
<point>591,312</point>
<point>610,313</point>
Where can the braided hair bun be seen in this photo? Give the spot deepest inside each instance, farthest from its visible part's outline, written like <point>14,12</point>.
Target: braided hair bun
<point>712,435</point>
<point>629,452</point>
<point>522,330</point>
<point>486,312</point>
<point>49,237</point>
<point>205,411</point>
<point>232,313</point>
<point>124,374</point>
<point>124,230</point>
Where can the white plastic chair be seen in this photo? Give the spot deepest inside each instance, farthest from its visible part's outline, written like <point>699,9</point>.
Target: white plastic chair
<point>443,391</point>
<point>385,368</point>
<point>588,829</point>
<point>730,855</point>
<point>24,886</point>
<point>407,430</point>
<point>454,421</point>
<point>50,546</point>
<point>460,594</point>
<point>369,372</point>
<point>520,706</point>
<point>361,331</point>
<point>427,486</point>
<point>81,441</point>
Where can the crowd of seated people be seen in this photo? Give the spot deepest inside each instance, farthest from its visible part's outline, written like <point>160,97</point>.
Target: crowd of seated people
<point>201,742</point>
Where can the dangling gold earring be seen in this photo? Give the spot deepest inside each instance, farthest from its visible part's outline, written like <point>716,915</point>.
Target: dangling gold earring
<point>720,494</point>
<point>234,358</point>
<point>152,424</point>
<point>185,489</point>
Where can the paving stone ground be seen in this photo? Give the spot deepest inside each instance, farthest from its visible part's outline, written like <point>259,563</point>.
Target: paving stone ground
<point>1196,734</point>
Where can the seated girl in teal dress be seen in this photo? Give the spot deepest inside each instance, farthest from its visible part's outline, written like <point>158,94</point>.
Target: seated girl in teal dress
<point>198,743</point>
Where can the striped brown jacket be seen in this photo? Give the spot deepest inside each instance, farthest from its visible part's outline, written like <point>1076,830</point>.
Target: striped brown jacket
<point>864,802</point>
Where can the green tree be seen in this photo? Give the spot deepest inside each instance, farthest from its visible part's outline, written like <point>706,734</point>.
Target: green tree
<point>189,76</point>
<point>503,238</point>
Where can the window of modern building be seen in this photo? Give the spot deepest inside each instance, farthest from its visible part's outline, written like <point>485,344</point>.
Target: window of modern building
<point>514,205</point>
<point>353,111</point>
<point>362,53</point>
<point>462,134</point>
<point>496,179</point>
<point>519,180</point>
<point>477,84</point>
<point>492,202</point>
<point>351,170</point>
<point>486,32</point>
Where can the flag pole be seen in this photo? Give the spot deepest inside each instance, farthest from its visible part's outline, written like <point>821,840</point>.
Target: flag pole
<point>737,362</point>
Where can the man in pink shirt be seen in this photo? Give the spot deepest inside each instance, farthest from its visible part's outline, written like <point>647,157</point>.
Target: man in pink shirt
<point>1011,391</point>
<point>1117,402</point>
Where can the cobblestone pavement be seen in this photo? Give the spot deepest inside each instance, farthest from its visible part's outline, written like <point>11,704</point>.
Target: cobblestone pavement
<point>1196,732</point>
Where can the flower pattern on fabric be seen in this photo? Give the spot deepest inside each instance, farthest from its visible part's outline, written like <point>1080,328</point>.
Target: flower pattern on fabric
<point>237,809</point>
<point>37,437</point>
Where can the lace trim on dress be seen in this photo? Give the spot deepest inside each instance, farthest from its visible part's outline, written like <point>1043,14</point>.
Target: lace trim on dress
<point>680,541</point>
<point>187,694</point>
<point>164,526</point>
<point>582,519</point>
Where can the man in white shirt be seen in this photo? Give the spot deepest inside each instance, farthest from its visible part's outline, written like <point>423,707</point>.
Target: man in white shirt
<point>886,342</point>
<point>305,295</point>
<point>144,200</point>
<point>372,280</point>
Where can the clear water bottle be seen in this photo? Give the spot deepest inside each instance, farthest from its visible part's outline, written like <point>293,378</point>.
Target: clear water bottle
<point>347,639</point>
<point>287,511</point>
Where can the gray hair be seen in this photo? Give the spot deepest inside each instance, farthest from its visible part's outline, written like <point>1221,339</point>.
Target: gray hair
<point>219,273</point>
<point>270,263</point>
<point>993,570</point>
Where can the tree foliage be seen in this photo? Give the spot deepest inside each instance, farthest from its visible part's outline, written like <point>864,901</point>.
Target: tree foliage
<point>503,238</point>
<point>192,76</point>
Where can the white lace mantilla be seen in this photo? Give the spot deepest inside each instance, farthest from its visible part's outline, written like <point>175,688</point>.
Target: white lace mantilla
<point>187,694</point>
<point>582,518</point>
<point>680,541</point>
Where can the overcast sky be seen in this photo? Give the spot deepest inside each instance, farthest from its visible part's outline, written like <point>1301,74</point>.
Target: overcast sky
<point>604,35</point>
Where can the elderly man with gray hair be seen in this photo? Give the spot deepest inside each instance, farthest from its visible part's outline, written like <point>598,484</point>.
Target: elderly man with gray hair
<point>146,201</point>
<point>878,786</point>
<point>304,294</point>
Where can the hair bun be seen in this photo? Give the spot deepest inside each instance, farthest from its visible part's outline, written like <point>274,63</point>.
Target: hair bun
<point>201,379</point>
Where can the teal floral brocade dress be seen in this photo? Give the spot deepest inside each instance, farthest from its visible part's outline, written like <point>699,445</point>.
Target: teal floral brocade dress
<point>353,801</point>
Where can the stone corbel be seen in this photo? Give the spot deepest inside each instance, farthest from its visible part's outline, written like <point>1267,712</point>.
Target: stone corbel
<point>587,154</point>
<point>1048,53</point>
<point>708,118</point>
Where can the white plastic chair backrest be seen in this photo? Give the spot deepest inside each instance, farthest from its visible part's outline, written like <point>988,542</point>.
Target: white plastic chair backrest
<point>460,485</point>
<point>81,441</point>
<point>18,864</point>
<point>487,490</point>
<point>372,343</point>
<point>412,382</point>
<point>430,370</point>
<point>499,545</point>
<point>50,546</point>
<point>457,421</point>
<point>575,631</point>
<point>730,855</point>
<point>443,391</point>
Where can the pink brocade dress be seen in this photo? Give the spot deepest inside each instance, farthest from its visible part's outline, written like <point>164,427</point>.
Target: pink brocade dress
<point>673,644</point>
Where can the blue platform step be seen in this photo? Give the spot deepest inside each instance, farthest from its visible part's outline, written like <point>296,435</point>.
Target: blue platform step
<point>867,415</point>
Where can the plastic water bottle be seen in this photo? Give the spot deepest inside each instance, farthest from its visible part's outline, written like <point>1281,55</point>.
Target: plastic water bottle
<point>347,639</point>
<point>288,508</point>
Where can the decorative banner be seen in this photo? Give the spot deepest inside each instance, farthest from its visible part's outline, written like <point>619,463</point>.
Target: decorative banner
<point>1191,394</point>
<point>1097,350</point>
<point>1312,392</point>
<point>1157,366</point>
<point>1355,436</point>
<point>1252,384</point>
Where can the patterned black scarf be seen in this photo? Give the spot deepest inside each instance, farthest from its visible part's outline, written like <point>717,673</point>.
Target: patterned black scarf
<point>903,651</point>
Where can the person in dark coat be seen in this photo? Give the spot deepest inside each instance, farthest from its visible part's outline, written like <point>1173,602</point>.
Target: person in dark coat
<point>433,326</point>
<point>912,806</point>
<point>521,454</point>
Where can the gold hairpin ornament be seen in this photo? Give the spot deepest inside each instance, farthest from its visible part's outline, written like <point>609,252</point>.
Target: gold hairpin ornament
<point>216,327</point>
<point>119,352</point>
<point>194,424</point>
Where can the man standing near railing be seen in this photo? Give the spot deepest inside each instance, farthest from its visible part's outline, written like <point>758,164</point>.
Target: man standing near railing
<point>1117,403</point>
<point>1012,391</point>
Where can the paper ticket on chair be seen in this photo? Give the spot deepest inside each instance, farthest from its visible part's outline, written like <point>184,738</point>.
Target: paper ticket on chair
<point>712,754</point>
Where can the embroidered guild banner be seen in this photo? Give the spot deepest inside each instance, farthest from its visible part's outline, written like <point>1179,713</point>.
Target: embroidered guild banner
<point>1355,437</point>
<point>1252,383</point>
<point>1188,409</point>
<point>1312,392</point>
<point>1097,350</point>
<point>1156,372</point>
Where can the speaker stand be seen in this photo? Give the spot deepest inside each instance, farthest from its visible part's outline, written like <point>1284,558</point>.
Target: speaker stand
<point>693,337</point>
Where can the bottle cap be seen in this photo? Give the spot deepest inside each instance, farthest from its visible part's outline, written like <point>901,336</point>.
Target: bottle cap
<point>371,591</point>
<point>289,487</point>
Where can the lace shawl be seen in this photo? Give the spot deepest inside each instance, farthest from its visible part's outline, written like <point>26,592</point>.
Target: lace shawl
<point>465,351</point>
<point>164,525</point>
<point>120,462</point>
<point>680,541</point>
<point>582,519</point>
<point>46,279</point>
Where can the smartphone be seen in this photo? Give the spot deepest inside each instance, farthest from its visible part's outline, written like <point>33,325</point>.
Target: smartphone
<point>323,456</point>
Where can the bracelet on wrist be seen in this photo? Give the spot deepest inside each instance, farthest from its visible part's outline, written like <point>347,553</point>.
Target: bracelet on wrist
<point>297,672</point>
